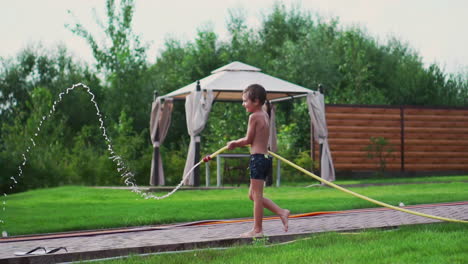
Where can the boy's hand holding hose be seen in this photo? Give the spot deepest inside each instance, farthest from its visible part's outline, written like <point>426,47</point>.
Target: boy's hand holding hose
<point>231,145</point>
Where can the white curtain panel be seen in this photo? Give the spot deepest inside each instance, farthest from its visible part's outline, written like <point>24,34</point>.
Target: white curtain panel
<point>197,109</point>
<point>160,119</point>
<point>272,142</point>
<point>316,105</point>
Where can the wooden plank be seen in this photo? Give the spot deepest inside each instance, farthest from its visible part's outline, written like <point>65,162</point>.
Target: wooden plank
<point>360,142</point>
<point>436,167</point>
<point>362,135</point>
<point>444,130</point>
<point>435,142</point>
<point>426,124</point>
<point>333,128</point>
<point>436,118</point>
<point>366,123</point>
<point>430,135</point>
<point>363,167</point>
<point>364,160</point>
<point>362,116</point>
<point>345,147</point>
<point>435,160</point>
<point>439,154</point>
<point>363,110</point>
<point>356,154</point>
<point>436,148</point>
<point>423,111</point>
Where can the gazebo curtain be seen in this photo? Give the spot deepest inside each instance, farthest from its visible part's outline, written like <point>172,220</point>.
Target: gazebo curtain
<point>159,125</point>
<point>197,109</point>
<point>316,105</point>
<point>198,106</point>
<point>272,142</point>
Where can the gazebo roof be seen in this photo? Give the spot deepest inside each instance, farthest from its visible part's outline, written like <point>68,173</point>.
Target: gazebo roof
<point>229,81</point>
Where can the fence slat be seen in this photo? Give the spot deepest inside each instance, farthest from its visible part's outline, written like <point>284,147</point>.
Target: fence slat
<point>445,124</point>
<point>364,110</point>
<point>429,135</point>
<point>361,142</point>
<point>443,112</point>
<point>362,116</point>
<point>436,142</point>
<point>436,118</point>
<point>373,129</point>
<point>365,123</point>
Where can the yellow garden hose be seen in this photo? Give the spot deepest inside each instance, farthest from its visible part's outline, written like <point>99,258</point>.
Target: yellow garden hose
<point>209,157</point>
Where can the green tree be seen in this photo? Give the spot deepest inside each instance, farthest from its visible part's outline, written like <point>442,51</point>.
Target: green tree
<point>123,62</point>
<point>244,44</point>
<point>32,82</point>
<point>282,25</point>
<point>41,151</point>
<point>357,62</point>
<point>53,69</point>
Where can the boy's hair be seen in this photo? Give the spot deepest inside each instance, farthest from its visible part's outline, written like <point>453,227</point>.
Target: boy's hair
<point>256,91</point>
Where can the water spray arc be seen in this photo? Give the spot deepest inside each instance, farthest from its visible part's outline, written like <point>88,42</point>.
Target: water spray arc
<point>125,173</point>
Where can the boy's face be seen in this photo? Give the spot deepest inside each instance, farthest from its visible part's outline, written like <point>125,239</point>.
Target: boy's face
<point>250,106</point>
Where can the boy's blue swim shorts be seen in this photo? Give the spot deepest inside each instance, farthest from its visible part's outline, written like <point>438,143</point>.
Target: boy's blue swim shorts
<point>260,166</point>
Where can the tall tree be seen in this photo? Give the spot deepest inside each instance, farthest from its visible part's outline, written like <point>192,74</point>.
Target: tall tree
<point>122,59</point>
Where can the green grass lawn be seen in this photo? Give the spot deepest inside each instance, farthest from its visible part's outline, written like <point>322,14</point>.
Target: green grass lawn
<point>81,208</point>
<point>457,178</point>
<point>385,180</point>
<point>435,243</point>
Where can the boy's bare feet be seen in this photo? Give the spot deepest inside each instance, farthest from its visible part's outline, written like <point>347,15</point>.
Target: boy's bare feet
<point>284,218</point>
<point>252,233</point>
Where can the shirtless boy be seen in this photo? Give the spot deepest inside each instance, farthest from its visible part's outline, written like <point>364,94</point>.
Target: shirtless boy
<point>253,98</point>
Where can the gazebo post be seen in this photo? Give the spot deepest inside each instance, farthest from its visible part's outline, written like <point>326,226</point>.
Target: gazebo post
<point>196,171</point>
<point>156,151</point>
<point>312,147</point>
<point>322,91</point>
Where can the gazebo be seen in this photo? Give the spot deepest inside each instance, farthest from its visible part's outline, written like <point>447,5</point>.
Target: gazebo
<point>227,84</point>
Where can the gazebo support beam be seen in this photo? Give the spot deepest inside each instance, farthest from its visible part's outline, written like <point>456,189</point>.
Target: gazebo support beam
<point>156,153</point>
<point>196,171</point>
<point>287,98</point>
<point>321,90</point>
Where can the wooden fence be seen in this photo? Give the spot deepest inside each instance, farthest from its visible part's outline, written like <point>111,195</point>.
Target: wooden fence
<point>422,139</point>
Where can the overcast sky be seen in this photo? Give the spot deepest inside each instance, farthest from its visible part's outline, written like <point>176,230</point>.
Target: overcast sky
<point>437,29</point>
